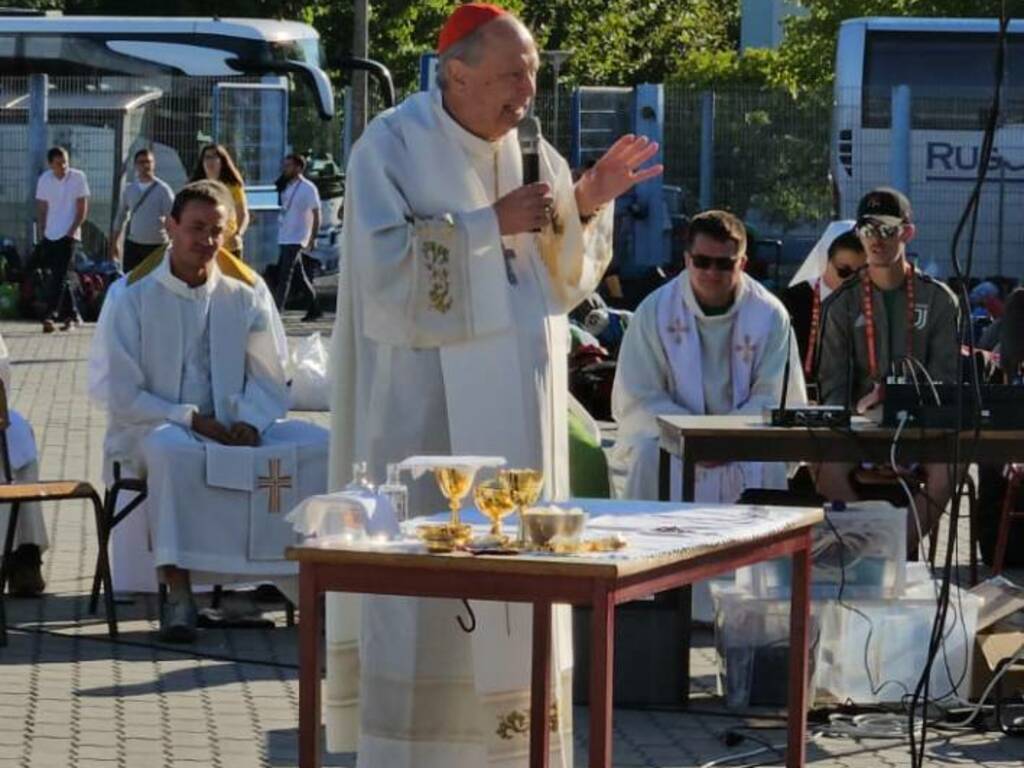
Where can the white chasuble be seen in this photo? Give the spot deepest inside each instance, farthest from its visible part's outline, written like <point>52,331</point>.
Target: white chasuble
<point>667,368</point>
<point>163,350</point>
<point>449,339</point>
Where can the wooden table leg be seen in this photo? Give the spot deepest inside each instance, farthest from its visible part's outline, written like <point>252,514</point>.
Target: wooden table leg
<point>309,668</point>
<point>689,475</point>
<point>540,685</point>
<point>799,618</point>
<point>664,475</point>
<point>602,657</point>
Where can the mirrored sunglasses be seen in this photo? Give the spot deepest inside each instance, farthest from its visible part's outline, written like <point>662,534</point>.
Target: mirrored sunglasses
<point>845,271</point>
<point>877,231</point>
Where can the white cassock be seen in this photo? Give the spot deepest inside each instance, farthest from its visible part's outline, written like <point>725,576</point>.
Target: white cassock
<point>442,346</point>
<point>164,350</point>
<point>676,360</point>
<point>21,445</point>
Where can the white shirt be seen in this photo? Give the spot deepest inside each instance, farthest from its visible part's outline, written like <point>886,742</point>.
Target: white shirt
<point>61,197</point>
<point>295,221</point>
<point>196,382</point>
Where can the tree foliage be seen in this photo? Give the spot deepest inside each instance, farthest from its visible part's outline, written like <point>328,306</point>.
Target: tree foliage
<point>614,42</point>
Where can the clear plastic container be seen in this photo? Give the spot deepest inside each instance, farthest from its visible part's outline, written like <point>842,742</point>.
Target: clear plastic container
<point>877,653</point>
<point>752,643</point>
<point>864,549</point>
<point>863,651</point>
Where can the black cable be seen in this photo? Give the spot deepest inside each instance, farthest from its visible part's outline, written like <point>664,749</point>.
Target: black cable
<point>970,214</point>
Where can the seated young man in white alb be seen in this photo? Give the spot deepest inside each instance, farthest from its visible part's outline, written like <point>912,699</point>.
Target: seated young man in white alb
<point>24,572</point>
<point>190,365</point>
<point>711,342</point>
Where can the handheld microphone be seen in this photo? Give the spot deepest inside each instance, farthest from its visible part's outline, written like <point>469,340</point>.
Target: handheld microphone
<point>529,147</point>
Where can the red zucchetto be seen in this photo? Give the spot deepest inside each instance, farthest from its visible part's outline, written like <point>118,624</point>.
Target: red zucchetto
<point>465,20</point>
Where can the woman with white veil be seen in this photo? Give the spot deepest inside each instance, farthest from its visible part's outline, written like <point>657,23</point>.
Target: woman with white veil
<point>837,255</point>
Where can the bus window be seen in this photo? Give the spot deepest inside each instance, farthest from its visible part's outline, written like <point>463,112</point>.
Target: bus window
<point>950,76</point>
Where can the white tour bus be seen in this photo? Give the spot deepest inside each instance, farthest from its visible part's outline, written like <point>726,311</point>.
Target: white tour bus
<point>949,65</point>
<point>150,46</point>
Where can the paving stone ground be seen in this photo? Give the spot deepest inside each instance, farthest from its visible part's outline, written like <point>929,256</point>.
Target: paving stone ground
<point>71,697</point>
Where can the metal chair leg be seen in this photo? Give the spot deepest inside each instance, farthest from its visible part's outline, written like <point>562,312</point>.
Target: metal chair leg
<point>103,541</point>
<point>972,530</point>
<point>1006,513</point>
<point>3,622</point>
<point>104,567</point>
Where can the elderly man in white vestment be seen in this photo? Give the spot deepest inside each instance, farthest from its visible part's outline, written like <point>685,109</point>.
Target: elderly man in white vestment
<point>451,338</point>
<point>713,341</point>
<point>24,572</point>
<point>189,361</point>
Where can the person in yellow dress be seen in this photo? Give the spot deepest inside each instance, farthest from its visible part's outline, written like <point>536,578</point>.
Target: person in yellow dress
<point>215,163</point>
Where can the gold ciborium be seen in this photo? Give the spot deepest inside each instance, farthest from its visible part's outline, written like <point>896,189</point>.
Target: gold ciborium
<point>494,500</point>
<point>526,486</point>
<point>454,483</point>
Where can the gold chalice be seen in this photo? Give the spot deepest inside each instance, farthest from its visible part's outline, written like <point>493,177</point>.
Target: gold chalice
<point>494,499</point>
<point>454,483</point>
<point>526,486</point>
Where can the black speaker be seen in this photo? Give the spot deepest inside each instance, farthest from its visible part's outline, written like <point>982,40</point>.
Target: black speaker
<point>652,652</point>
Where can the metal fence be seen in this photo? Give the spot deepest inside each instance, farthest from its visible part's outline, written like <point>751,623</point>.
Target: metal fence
<point>768,156</point>
<point>103,121</point>
<point>928,145</point>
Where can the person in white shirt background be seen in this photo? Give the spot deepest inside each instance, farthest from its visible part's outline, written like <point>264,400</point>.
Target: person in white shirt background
<point>297,225</point>
<point>62,203</point>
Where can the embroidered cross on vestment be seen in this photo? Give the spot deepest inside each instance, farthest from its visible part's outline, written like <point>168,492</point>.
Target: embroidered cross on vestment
<point>274,482</point>
<point>677,330</point>
<point>746,350</point>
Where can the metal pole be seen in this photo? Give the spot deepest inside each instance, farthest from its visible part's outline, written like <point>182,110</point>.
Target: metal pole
<point>554,120</point>
<point>346,133</point>
<point>360,48</point>
<point>707,149</point>
<point>899,140</point>
<point>35,160</point>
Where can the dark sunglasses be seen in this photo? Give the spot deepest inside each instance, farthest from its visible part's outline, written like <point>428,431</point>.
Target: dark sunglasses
<point>875,231</point>
<point>844,271</point>
<point>701,261</point>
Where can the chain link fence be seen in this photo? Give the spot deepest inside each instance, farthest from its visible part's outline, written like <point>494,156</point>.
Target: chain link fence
<point>783,163</point>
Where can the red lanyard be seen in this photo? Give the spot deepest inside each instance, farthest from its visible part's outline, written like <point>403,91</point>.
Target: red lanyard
<point>812,339</point>
<point>867,307</point>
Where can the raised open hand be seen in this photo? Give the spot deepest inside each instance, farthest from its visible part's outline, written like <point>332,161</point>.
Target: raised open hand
<point>616,172</point>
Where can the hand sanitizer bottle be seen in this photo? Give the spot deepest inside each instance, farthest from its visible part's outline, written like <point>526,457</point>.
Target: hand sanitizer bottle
<point>395,491</point>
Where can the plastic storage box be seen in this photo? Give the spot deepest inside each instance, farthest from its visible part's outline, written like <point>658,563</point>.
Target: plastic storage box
<point>752,643</point>
<point>866,544</point>
<point>877,652</point>
<point>863,651</point>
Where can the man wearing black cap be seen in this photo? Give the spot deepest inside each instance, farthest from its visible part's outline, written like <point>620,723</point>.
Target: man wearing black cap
<point>889,318</point>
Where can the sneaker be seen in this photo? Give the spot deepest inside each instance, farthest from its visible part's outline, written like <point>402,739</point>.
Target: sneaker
<point>70,323</point>
<point>25,574</point>
<point>178,620</point>
<point>48,326</point>
<point>312,316</point>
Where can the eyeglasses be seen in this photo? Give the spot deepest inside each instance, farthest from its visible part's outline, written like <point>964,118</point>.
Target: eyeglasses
<point>700,261</point>
<point>844,271</point>
<point>875,231</point>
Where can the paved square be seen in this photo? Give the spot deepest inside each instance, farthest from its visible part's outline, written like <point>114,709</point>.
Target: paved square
<point>70,697</point>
